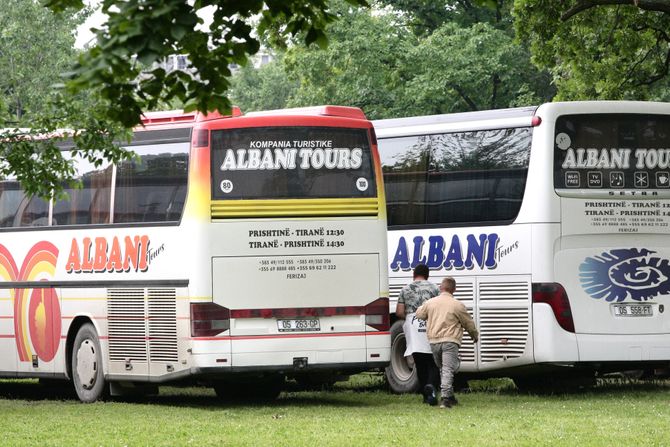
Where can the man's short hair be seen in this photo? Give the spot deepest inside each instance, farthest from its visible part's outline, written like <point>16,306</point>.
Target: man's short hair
<point>449,284</point>
<point>421,270</point>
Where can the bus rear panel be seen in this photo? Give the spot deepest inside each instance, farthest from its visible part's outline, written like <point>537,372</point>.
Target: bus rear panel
<point>298,222</point>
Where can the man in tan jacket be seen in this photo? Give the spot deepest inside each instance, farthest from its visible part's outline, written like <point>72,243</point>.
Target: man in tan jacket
<point>446,318</point>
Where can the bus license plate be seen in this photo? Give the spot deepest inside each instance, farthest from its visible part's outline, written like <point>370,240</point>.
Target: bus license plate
<point>298,325</point>
<point>633,310</point>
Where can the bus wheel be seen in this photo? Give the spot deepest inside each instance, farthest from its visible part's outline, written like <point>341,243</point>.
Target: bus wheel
<point>89,381</point>
<point>400,374</point>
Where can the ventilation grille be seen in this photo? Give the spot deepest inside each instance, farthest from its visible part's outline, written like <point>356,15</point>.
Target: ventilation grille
<point>127,324</point>
<point>394,291</point>
<point>467,349</point>
<point>504,329</point>
<point>465,293</point>
<point>162,325</point>
<point>142,324</point>
<point>495,291</point>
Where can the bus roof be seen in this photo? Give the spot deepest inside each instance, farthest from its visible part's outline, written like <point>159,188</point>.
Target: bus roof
<point>178,116</point>
<point>454,122</point>
<point>336,111</point>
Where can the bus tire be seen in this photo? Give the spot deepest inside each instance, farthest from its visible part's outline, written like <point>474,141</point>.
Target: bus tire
<point>87,375</point>
<point>400,373</point>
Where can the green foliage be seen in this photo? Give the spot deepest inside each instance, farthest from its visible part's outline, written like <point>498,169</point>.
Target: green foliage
<point>264,88</point>
<point>36,46</point>
<point>426,16</point>
<point>597,50</point>
<point>38,163</point>
<point>139,33</point>
<point>474,68</point>
<point>359,68</point>
<point>376,63</point>
<point>111,84</point>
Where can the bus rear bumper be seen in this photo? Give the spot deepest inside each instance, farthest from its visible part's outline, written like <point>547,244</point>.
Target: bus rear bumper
<point>361,351</point>
<point>623,348</point>
<point>340,368</point>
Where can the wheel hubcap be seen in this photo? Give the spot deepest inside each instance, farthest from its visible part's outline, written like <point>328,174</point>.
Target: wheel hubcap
<point>87,364</point>
<point>402,366</point>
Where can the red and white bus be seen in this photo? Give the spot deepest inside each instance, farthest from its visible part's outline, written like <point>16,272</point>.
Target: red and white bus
<point>234,248</point>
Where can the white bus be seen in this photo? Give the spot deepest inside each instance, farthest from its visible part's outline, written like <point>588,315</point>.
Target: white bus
<point>234,250</point>
<point>554,221</point>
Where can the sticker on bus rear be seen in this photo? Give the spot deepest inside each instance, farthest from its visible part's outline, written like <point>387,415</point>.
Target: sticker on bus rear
<point>621,274</point>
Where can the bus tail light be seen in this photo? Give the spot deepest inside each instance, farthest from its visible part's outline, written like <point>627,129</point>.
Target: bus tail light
<point>554,294</point>
<point>209,319</point>
<point>377,314</point>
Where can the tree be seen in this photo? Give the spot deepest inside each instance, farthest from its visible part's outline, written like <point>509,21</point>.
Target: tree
<point>139,33</point>
<point>263,88</point>
<point>114,82</point>
<point>377,61</point>
<point>426,16</point>
<point>36,46</point>
<point>473,68</point>
<point>359,68</point>
<point>600,49</point>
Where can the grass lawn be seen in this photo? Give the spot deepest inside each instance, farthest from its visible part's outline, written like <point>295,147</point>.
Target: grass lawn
<point>358,413</point>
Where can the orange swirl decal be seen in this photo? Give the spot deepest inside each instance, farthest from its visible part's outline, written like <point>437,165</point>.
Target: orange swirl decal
<point>37,317</point>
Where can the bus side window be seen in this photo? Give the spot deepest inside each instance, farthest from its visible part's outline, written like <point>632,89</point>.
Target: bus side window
<point>33,212</point>
<point>19,210</point>
<point>89,204</point>
<point>11,196</point>
<point>405,167</point>
<point>152,189</point>
<point>478,177</point>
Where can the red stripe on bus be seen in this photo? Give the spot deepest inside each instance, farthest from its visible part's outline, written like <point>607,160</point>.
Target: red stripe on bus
<point>64,337</point>
<point>68,317</point>
<point>292,312</point>
<point>280,336</point>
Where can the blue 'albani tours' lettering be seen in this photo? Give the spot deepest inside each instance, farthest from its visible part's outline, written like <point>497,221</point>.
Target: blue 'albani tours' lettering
<point>479,250</point>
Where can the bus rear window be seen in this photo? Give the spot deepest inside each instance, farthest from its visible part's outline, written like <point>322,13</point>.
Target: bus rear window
<point>291,162</point>
<point>611,152</point>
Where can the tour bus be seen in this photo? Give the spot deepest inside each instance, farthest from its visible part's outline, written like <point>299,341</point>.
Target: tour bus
<point>554,221</point>
<point>232,250</point>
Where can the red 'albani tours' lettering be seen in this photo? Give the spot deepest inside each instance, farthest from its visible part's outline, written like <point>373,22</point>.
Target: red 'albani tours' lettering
<point>98,255</point>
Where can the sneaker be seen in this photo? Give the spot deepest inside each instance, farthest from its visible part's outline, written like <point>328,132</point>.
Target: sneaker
<point>444,403</point>
<point>452,400</point>
<point>429,395</point>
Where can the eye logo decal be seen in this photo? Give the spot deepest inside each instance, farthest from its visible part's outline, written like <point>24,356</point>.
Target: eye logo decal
<point>625,273</point>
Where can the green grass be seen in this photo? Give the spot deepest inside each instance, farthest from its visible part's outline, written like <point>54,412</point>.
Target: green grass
<point>358,413</point>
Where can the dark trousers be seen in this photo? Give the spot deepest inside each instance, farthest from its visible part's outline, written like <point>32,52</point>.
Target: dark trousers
<point>426,370</point>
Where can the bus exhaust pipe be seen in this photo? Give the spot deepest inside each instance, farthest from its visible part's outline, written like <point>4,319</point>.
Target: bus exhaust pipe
<point>299,363</point>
